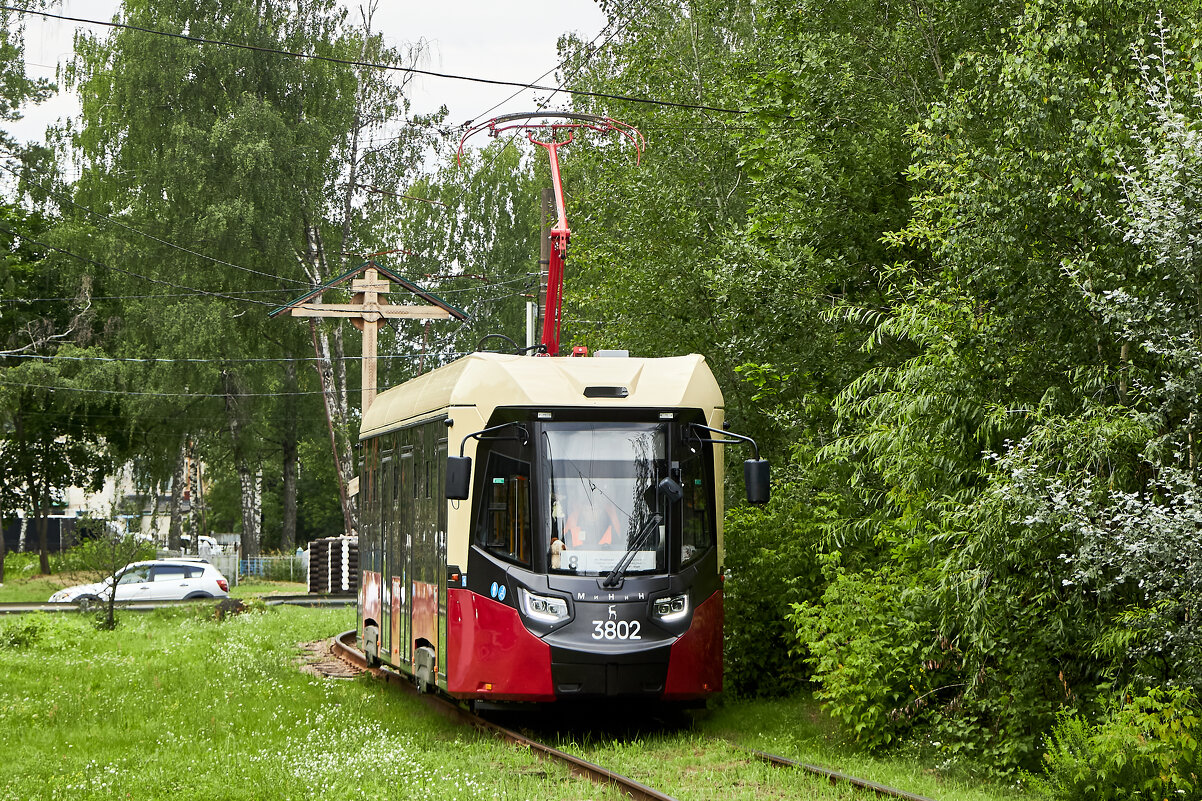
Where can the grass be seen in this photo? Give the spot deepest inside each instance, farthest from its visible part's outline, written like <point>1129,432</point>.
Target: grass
<point>172,705</point>
<point>704,762</point>
<point>250,586</point>
<point>796,729</point>
<point>34,588</point>
<point>175,703</point>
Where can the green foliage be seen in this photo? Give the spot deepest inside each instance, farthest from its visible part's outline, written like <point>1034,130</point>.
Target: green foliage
<point>23,565</point>
<point>771,564</point>
<point>1145,746</point>
<point>95,553</point>
<point>22,631</point>
<point>992,341</point>
<point>482,213</point>
<point>868,648</point>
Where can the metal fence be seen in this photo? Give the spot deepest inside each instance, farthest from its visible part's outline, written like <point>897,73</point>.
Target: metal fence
<point>271,568</point>
<point>274,568</point>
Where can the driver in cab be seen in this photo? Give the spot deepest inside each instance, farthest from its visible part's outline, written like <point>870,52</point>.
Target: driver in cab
<point>586,520</point>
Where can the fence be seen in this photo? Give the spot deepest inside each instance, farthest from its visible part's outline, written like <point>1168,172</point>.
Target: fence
<point>60,533</point>
<point>274,568</point>
<point>270,568</point>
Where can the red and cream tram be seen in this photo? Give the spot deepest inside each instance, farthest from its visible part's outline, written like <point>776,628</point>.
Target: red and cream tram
<point>536,529</point>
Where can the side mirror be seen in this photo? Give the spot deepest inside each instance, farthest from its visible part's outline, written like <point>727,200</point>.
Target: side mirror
<point>756,477</point>
<point>459,477</point>
<point>670,489</point>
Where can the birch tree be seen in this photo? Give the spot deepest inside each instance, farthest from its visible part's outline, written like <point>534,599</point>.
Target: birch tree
<point>230,182</point>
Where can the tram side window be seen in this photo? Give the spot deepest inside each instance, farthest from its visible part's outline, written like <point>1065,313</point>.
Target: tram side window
<point>504,526</point>
<point>697,523</point>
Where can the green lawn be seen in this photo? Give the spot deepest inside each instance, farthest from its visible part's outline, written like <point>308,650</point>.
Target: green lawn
<point>250,587</point>
<point>174,704</point>
<point>26,587</point>
<point>22,584</point>
<point>796,729</point>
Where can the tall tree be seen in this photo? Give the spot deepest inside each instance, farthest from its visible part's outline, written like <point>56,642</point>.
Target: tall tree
<point>17,90</point>
<point>1012,375</point>
<point>226,177</point>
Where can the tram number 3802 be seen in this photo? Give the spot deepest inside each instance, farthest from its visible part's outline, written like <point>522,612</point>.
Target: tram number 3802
<point>617,630</point>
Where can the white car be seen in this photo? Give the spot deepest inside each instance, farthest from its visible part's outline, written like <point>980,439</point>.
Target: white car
<point>160,580</point>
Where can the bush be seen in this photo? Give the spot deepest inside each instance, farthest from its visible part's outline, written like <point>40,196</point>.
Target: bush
<point>21,631</point>
<point>20,565</point>
<point>771,563</point>
<point>100,553</point>
<point>865,647</point>
<point>80,557</point>
<point>1145,747</point>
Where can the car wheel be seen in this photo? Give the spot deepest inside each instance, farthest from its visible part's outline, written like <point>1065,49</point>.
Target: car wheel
<point>87,602</point>
<point>197,595</point>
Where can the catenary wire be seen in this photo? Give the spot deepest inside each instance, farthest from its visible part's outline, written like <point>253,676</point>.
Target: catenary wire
<point>558,66</point>
<point>156,360</point>
<point>513,137</point>
<point>130,228</point>
<point>92,390</point>
<point>191,290</point>
<point>370,64</point>
<point>103,266</point>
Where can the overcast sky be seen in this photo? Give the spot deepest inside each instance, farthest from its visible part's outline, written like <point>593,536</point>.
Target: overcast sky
<point>511,40</point>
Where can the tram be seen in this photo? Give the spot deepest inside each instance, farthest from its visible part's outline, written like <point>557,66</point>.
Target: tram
<point>543,529</point>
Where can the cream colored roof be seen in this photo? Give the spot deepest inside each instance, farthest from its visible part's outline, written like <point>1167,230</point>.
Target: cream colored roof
<point>489,380</point>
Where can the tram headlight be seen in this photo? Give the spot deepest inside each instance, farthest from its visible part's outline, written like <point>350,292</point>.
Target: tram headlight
<point>547,608</point>
<point>671,608</point>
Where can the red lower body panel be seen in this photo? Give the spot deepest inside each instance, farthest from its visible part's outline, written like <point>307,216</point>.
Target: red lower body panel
<point>490,654</point>
<point>695,664</point>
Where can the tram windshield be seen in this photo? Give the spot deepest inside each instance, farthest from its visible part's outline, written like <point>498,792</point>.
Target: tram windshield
<point>598,477</point>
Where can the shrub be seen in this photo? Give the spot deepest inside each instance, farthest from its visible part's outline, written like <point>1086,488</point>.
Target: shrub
<point>100,554</point>
<point>21,631</point>
<point>771,563</point>
<point>20,565</point>
<point>1144,747</point>
<point>865,646</point>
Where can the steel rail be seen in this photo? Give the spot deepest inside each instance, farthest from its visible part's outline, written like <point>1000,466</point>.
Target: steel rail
<point>343,646</point>
<point>834,776</point>
<point>10,608</point>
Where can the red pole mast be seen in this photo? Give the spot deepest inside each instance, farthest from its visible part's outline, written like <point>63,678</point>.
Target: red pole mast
<point>560,234</point>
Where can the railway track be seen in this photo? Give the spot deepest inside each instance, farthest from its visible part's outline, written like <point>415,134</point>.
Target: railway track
<point>344,647</point>
<point>146,606</point>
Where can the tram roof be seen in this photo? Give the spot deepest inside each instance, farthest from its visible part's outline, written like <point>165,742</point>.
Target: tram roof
<point>489,380</point>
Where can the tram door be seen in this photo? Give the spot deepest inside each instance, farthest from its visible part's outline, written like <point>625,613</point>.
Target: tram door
<point>384,524</point>
<point>404,550</point>
<point>439,520</point>
<point>370,557</point>
<point>425,558</point>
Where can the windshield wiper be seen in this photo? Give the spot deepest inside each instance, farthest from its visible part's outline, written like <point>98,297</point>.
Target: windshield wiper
<point>668,488</point>
<point>615,576</point>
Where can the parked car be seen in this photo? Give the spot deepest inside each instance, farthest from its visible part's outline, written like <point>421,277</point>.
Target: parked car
<point>158,580</point>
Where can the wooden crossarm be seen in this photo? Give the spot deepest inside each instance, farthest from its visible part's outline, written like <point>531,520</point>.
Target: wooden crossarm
<point>369,312</point>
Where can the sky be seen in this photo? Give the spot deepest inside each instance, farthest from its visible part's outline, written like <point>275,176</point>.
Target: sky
<point>510,40</point>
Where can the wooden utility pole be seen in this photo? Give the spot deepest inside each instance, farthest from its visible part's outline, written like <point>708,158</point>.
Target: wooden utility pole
<point>367,313</point>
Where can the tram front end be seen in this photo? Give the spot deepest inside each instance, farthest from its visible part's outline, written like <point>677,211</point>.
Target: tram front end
<point>594,565</point>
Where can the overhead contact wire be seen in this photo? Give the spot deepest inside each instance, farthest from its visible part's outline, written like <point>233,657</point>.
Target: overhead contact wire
<point>370,64</point>
<point>103,266</point>
<point>161,241</point>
